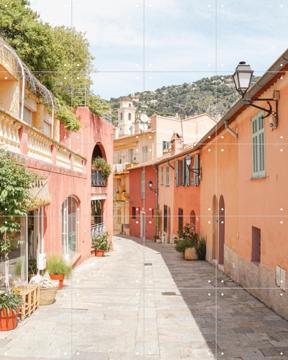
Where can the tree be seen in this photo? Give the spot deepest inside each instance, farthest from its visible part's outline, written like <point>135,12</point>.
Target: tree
<point>58,56</point>
<point>15,182</point>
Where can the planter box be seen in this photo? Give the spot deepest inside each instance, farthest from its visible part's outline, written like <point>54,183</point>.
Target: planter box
<point>30,295</point>
<point>190,254</point>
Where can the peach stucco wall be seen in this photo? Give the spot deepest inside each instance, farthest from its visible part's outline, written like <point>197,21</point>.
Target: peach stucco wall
<point>64,183</point>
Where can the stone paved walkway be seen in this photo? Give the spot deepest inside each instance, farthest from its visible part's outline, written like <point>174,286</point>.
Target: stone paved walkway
<point>147,303</point>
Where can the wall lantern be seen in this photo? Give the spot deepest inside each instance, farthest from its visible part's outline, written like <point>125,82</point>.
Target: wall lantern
<point>242,78</point>
<point>188,160</point>
<point>150,185</point>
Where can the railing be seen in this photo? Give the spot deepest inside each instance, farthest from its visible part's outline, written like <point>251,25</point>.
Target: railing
<point>97,229</point>
<point>97,179</point>
<point>38,145</point>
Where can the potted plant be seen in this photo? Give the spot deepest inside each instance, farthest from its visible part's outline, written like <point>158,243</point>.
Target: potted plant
<point>101,164</point>
<point>187,243</point>
<point>58,269</point>
<point>9,305</point>
<point>201,249</point>
<point>100,243</point>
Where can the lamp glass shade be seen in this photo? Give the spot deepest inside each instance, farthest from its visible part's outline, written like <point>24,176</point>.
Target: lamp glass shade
<point>242,77</point>
<point>188,160</point>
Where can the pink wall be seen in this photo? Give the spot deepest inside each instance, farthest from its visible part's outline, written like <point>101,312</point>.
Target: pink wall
<point>148,205</point>
<point>63,183</point>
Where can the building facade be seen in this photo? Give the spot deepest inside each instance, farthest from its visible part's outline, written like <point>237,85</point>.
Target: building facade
<point>70,200</point>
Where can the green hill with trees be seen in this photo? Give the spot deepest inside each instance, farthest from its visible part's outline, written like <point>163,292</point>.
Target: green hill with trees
<point>213,95</point>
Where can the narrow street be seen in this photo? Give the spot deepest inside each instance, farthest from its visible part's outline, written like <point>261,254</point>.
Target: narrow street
<point>147,303</point>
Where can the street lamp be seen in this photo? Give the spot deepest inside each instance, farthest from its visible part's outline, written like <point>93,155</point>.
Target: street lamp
<point>150,185</point>
<point>242,78</point>
<point>188,160</point>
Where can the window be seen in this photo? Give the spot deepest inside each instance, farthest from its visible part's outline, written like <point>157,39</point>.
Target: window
<point>193,221</point>
<point>256,245</point>
<point>165,146</point>
<point>69,227</point>
<point>133,212</point>
<point>167,175</point>
<point>162,175</point>
<point>180,220</point>
<point>144,153</point>
<point>165,218</point>
<point>121,116</point>
<point>143,184</point>
<point>131,155</point>
<point>196,170</point>
<point>129,116</point>
<point>258,145</point>
<point>179,172</point>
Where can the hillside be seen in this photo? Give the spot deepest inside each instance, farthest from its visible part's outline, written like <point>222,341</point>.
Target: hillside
<point>213,95</point>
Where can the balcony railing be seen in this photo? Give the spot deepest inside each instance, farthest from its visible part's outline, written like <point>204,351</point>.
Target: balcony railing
<point>97,179</point>
<point>37,145</point>
<point>97,229</point>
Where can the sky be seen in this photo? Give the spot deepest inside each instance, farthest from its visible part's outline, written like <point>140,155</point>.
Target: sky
<point>146,44</point>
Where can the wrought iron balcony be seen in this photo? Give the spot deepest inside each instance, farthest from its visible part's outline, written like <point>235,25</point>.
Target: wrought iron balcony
<point>97,179</point>
<point>97,229</point>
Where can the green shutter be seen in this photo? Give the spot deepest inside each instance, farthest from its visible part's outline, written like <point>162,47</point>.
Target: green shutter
<point>258,146</point>
<point>177,172</point>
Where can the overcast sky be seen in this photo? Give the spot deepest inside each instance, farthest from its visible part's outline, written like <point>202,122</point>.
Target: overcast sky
<point>184,39</point>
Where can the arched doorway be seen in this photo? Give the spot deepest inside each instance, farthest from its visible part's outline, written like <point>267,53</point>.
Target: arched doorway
<point>193,221</point>
<point>215,228</point>
<point>69,227</point>
<point>98,151</point>
<point>221,230</point>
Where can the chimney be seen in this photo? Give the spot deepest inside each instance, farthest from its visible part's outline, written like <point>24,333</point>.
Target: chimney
<point>176,143</point>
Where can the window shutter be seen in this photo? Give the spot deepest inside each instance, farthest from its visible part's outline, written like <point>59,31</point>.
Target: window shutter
<point>187,174</point>
<point>177,172</point>
<point>196,170</point>
<point>183,172</point>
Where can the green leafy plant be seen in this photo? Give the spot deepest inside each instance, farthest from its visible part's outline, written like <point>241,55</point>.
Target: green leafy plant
<point>67,116</point>
<point>32,267</point>
<point>15,182</point>
<point>56,265</point>
<point>187,239</point>
<point>201,249</point>
<point>100,242</point>
<point>101,164</point>
<point>10,300</point>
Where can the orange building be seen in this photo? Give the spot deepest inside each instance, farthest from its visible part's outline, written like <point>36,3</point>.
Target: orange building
<point>243,190</point>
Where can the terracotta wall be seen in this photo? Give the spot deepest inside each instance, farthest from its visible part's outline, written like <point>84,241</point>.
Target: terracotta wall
<point>148,204</point>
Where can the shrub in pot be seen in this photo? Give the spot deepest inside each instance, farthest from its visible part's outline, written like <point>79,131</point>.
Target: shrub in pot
<point>201,249</point>
<point>9,306</point>
<point>58,269</point>
<point>100,243</point>
<point>187,243</point>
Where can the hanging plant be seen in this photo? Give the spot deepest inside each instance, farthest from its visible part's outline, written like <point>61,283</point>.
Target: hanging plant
<point>100,164</point>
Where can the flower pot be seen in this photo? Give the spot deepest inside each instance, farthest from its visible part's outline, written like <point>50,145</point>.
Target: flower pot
<point>99,253</point>
<point>190,254</point>
<point>8,320</point>
<point>60,278</point>
<point>47,296</point>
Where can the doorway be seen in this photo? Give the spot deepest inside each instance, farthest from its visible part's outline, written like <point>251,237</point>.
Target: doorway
<point>215,228</point>
<point>221,230</point>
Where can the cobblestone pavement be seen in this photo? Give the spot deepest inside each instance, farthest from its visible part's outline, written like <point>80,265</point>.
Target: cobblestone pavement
<point>147,303</point>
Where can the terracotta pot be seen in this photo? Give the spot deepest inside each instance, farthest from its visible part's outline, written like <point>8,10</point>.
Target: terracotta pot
<point>60,278</point>
<point>8,320</point>
<point>190,254</point>
<point>99,253</point>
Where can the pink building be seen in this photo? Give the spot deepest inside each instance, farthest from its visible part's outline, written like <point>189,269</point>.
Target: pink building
<point>73,200</point>
<point>143,201</point>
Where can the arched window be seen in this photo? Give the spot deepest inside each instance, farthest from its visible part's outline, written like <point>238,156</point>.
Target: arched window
<point>193,221</point>
<point>69,227</point>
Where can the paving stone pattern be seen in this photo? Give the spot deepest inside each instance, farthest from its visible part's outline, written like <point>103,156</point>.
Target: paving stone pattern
<point>146,302</point>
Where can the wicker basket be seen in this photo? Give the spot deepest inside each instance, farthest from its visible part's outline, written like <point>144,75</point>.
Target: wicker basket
<point>47,296</point>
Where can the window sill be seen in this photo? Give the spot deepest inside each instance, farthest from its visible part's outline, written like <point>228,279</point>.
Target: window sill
<point>259,177</point>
